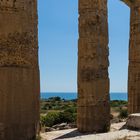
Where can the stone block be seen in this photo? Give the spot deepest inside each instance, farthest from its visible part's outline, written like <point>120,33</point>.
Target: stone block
<point>133,121</point>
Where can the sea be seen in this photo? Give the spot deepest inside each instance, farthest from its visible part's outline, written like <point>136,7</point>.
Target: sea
<point>73,95</point>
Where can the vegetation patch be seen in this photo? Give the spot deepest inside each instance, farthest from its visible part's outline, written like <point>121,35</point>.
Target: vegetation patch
<point>56,111</point>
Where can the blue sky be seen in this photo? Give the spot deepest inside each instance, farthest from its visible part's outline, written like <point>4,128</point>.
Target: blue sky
<point>58,35</point>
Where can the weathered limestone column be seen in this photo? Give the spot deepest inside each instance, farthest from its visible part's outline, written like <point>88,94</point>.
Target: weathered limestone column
<point>134,57</point>
<point>19,72</point>
<point>93,81</point>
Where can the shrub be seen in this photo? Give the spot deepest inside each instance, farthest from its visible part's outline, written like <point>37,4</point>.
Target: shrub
<point>53,118</point>
<point>118,103</point>
<point>54,99</point>
<point>71,110</point>
<point>123,113</point>
<point>67,117</point>
<point>50,119</point>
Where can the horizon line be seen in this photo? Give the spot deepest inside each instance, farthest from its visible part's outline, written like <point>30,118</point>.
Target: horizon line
<point>76,92</point>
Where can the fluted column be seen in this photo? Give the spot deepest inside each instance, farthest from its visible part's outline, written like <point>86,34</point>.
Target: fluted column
<point>19,72</point>
<point>93,81</point>
<point>134,57</point>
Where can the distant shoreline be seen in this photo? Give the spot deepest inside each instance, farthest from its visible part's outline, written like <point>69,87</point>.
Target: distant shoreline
<point>73,95</point>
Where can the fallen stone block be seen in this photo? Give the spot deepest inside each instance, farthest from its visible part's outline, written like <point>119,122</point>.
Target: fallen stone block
<point>133,121</point>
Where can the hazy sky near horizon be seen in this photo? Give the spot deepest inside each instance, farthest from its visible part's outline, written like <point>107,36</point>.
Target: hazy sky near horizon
<point>58,36</point>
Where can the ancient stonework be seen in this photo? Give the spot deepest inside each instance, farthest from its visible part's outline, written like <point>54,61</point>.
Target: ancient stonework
<point>93,81</point>
<point>19,72</point>
<point>24,52</point>
<point>134,57</point>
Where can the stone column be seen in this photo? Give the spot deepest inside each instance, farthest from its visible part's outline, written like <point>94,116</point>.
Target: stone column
<point>134,57</point>
<point>93,81</point>
<point>19,72</point>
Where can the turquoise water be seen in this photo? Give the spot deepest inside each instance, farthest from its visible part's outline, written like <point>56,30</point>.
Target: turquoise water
<point>69,96</point>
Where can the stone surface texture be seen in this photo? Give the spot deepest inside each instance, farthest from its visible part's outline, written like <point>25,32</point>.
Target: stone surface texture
<point>134,57</point>
<point>73,134</point>
<point>19,72</point>
<point>93,81</point>
<point>133,121</point>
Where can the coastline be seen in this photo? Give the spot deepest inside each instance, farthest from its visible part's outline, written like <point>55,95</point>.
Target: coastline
<point>73,95</point>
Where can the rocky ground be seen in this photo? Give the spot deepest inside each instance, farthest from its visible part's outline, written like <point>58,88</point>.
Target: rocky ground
<point>58,121</point>
<point>116,133</point>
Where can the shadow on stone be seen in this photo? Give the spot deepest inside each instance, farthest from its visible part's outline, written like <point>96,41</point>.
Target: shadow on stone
<point>72,134</point>
<point>123,127</point>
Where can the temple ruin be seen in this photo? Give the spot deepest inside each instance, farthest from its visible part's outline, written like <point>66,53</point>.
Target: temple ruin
<point>19,72</point>
<point>93,81</point>
<point>134,57</point>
